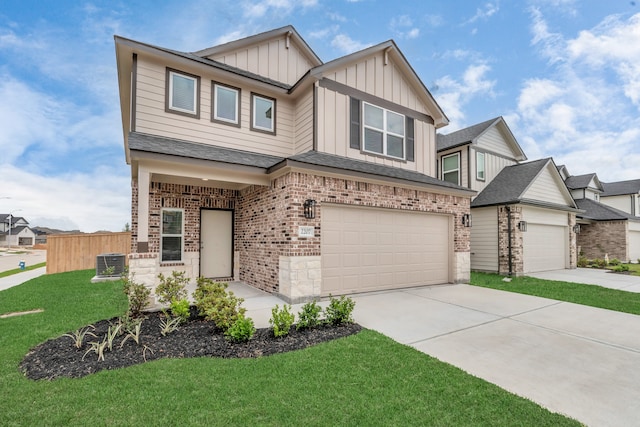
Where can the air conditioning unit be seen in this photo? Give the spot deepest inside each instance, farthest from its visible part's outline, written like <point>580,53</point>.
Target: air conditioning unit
<point>110,265</point>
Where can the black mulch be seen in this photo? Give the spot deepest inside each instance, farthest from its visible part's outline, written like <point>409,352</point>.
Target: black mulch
<point>60,358</point>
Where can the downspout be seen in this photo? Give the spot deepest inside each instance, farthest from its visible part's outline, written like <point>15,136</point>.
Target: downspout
<point>508,209</point>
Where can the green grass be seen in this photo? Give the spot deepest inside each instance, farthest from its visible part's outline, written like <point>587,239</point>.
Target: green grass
<point>634,269</point>
<point>366,379</point>
<point>17,270</point>
<point>591,295</point>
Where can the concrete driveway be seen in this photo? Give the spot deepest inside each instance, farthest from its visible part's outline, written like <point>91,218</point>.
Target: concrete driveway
<point>593,276</point>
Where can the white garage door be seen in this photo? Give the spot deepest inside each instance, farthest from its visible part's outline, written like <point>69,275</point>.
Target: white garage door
<point>367,249</point>
<point>545,247</point>
<point>634,246</point>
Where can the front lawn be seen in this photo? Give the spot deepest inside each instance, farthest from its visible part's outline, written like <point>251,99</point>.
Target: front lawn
<point>592,295</point>
<point>364,379</point>
<point>19,270</point>
<point>634,269</point>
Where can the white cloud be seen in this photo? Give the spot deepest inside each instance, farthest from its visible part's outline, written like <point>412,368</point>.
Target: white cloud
<point>346,44</point>
<point>403,27</point>
<point>253,9</point>
<point>487,11</point>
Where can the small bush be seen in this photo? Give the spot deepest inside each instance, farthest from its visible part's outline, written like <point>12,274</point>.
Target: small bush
<point>599,263</point>
<point>137,295</point>
<point>620,268</point>
<point>340,311</point>
<point>614,261</point>
<point>583,262</point>
<point>225,311</point>
<point>180,309</point>
<point>309,316</point>
<point>281,320</point>
<point>172,288</point>
<point>206,293</point>
<point>241,330</point>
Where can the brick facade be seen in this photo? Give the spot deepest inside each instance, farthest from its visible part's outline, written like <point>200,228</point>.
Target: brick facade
<point>604,238</point>
<point>267,219</point>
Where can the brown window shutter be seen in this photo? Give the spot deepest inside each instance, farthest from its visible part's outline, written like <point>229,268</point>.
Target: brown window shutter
<point>354,137</point>
<point>410,139</point>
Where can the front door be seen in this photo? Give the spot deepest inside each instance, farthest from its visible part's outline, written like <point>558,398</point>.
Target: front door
<point>216,243</point>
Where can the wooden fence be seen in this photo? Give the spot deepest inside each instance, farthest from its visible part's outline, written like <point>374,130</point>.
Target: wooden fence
<point>70,252</point>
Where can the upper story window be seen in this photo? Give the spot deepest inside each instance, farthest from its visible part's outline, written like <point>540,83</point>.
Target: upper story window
<point>226,104</point>
<point>183,93</point>
<point>263,114</point>
<point>451,168</point>
<point>480,175</point>
<point>596,197</point>
<point>172,235</point>
<point>383,131</point>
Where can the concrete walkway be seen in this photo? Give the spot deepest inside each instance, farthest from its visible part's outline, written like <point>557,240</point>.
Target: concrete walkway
<point>10,261</point>
<point>593,276</point>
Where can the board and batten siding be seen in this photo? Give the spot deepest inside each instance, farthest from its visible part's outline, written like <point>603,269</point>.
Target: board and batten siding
<point>493,140</point>
<point>464,164</point>
<point>547,188</point>
<point>493,165</point>
<point>303,140</point>
<point>333,135</point>
<point>484,239</point>
<point>271,59</point>
<point>151,117</point>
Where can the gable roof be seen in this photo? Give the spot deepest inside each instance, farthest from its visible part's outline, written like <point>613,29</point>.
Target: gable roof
<point>471,134</point>
<point>600,212</point>
<point>4,218</point>
<point>510,185</point>
<point>579,182</point>
<point>621,188</point>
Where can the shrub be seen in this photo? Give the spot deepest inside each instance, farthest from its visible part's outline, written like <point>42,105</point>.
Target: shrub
<point>339,311</point>
<point>281,320</point>
<point>309,316</point>
<point>599,263</point>
<point>614,261</point>
<point>180,309</point>
<point>172,288</point>
<point>241,330</point>
<point>137,295</point>
<point>620,268</point>
<point>583,261</point>
<point>207,291</point>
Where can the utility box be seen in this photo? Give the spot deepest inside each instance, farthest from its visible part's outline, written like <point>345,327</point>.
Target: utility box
<point>110,265</point>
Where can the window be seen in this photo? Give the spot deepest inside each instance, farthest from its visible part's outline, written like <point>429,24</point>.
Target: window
<point>383,131</point>
<point>451,168</point>
<point>183,93</point>
<point>480,166</point>
<point>172,231</point>
<point>226,104</point>
<point>263,111</point>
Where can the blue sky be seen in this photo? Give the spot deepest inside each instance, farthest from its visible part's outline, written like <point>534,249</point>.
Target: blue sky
<point>565,74</point>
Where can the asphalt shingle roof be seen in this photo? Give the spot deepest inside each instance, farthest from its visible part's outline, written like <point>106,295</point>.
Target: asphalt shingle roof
<point>579,181</point>
<point>600,212</point>
<point>463,136</point>
<point>509,185</point>
<point>621,187</point>
<point>175,147</point>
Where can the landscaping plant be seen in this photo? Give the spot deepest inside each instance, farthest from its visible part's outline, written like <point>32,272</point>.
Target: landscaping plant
<point>340,311</point>
<point>180,309</point>
<point>216,304</point>
<point>281,320</point>
<point>172,288</point>
<point>137,295</point>
<point>309,316</point>
<point>241,331</point>
<point>78,335</point>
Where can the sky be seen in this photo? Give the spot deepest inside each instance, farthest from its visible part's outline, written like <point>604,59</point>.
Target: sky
<point>565,75</point>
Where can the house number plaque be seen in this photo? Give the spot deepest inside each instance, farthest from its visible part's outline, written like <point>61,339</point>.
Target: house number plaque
<point>306,231</point>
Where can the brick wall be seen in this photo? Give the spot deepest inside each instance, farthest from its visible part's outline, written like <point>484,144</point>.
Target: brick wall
<point>517,244</point>
<point>604,237</point>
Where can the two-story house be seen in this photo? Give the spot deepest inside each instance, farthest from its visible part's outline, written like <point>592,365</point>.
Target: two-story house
<point>607,225</point>
<point>523,216</point>
<point>255,161</point>
<point>15,231</point>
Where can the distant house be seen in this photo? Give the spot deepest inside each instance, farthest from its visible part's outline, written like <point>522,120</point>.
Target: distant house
<point>608,225</point>
<point>15,231</point>
<point>523,217</point>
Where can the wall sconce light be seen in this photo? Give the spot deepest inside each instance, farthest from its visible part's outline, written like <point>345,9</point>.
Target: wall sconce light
<point>466,220</point>
<point>576,228</point>
<point>309,209</point>
<point>522,225</point>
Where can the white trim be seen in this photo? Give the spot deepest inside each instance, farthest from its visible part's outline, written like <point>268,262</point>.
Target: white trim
<point>163,235</point>
<point>254,115</point>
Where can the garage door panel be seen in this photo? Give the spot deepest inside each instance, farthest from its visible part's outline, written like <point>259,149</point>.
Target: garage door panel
<point>545,247</point>
<point>634,246</point>
<point>393,249</point>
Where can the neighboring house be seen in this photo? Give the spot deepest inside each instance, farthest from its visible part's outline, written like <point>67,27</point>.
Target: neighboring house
<point>622,195</point>
<point>605,229</point>
<point>20,235</point>
<point>523,217</point>
<point>256,161</point>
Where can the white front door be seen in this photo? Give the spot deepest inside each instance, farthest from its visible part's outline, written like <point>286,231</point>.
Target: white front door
<point>216,243</point>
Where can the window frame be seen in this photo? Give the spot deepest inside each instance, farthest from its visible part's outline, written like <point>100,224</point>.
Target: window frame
<point>169,108</point>
<point>163,235</point>
<point>458,170</point>
<point>385,132</point>
<point>214,110</point>
<point>484,166</point>
<point>272,130</point>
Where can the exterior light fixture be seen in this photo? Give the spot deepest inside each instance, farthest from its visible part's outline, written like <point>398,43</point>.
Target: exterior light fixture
<point>309,209</point>
<point>576,228</point>
<point>522,225</point>
<point>466,220</point>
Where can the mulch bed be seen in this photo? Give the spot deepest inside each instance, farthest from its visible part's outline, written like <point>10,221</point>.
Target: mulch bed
<point>197,338</point>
